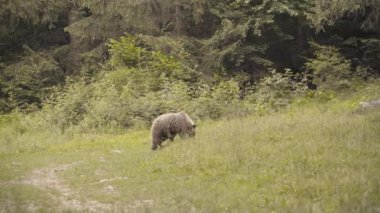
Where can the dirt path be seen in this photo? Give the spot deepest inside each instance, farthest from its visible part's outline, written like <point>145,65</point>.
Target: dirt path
<point>48,179</point>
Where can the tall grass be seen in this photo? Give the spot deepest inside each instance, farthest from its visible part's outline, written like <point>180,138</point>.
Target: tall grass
<point>309,158</point>
<point>303,160</point>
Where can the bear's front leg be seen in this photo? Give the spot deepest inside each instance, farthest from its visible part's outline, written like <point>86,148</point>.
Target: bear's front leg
<point>172,136</point>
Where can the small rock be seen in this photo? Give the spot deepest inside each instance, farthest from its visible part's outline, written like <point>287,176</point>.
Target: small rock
<point>370,104</point>
<point>102,159</point>
<point>116,151</point>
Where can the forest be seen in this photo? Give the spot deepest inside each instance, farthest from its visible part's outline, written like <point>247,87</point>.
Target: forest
<point>274,86</point>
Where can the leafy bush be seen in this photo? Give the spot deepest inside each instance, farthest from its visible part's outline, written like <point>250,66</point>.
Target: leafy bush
<point>123,98</point>
<point>125,52</point>
<point>67,106</point>
<point>31,80</point>
<point>109,105</point>
<point>130,52</point>
<point>276,90</point>
<point>143,84</point>
<point>221,100</point>
<point>330,70</point>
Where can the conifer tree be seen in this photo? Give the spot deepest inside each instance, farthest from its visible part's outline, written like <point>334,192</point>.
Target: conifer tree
<point>365,12</point>
<point>251,33</point>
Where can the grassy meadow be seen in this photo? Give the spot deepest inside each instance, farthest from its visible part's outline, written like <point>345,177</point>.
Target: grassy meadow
<point>311,157</point>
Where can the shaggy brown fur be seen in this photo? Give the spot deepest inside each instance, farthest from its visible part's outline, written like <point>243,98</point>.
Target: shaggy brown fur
<point>167,126</point>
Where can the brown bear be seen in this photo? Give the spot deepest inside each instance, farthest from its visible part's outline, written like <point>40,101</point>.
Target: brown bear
<point>168,125</point>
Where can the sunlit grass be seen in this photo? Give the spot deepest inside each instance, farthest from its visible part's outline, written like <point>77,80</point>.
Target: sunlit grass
<point>314,157</point>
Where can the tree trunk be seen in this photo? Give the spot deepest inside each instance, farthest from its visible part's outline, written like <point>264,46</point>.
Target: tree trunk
<point>178,18</point>
<point>73,60</point>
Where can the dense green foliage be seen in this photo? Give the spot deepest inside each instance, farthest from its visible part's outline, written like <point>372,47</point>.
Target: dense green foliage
<point>198,42</point>
<point>365,13</point>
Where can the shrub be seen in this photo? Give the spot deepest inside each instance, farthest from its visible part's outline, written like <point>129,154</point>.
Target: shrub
<point>130,52</point>
<point>330,70</point>
<point>30,81</point>
<point>276,90</point>
<point>219,100</point>
<point>68,106</point>
<point>143,84</point>
<point>125,53</point>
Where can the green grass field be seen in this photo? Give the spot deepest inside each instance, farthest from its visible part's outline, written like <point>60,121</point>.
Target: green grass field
<point>310,158</point>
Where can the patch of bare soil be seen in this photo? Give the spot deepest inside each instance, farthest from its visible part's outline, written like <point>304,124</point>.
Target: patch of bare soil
<point>47,178</point>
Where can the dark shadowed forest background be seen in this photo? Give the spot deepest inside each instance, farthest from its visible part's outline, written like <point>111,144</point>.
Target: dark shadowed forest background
<point>92,64</point>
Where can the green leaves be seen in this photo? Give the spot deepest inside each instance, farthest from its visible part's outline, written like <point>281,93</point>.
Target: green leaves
<point>330,12</point>
<point>128,53</point>
<point>277,90</point>
<point>125,52</point>
<point>35,12</point>
<point>31,79</point>
<point>249,30</point>
<point>330,69</point>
